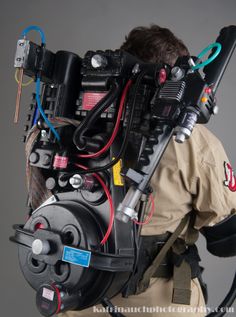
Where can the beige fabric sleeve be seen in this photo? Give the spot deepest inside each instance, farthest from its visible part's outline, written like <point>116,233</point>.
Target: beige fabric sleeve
<point>213,200</point>
<point>191,176</point>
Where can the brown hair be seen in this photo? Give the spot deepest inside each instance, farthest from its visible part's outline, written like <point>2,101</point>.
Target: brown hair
<point>154,44</point>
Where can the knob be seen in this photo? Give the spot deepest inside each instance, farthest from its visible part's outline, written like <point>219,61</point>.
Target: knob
<point>177,73</point>
<point>34,157</point>
<point>76,181</point>
<point>46,160</point>
<point>40,247</point>
<point>98,61</point>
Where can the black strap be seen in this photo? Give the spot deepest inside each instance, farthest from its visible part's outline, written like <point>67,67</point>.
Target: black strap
<point>182,284</point>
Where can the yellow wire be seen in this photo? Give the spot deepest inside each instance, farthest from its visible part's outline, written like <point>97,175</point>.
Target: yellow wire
<point>23,84</point>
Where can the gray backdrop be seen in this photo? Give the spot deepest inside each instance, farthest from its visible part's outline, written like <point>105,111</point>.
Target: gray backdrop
<point>97,24</point>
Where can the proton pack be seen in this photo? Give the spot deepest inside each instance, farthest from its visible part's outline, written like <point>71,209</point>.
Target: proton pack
<point>96,130</point>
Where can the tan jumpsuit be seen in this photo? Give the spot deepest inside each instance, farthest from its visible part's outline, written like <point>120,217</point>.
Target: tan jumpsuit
<point>190,176</point>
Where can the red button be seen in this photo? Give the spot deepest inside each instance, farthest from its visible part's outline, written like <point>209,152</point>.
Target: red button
<point>208,90</point>
<point>162,76</point>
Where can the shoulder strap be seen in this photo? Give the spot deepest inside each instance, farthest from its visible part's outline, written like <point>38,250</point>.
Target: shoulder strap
<point>144,282</point>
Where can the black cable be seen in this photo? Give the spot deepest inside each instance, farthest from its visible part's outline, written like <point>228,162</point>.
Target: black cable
<point>125,289</point>
<point>227,302</point>
<point>137,246</point>
<point>111,308</point>
<point>128,128</point>
<point>101,106</point>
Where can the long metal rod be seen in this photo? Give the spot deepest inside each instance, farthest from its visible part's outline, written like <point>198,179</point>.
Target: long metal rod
<point>18,96</point>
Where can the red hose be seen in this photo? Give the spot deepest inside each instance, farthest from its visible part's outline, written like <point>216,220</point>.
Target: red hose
<point>116,128</point>
<point>112,211</point>
<point>149,217</point>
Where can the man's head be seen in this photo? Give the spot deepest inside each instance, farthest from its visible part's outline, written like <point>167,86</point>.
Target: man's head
<point>154,44</point>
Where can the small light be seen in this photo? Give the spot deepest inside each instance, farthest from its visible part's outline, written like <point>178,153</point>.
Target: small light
<point>204,99</point>
<point>162,76</point>
<point>208,90</point>
<point>39,226</point>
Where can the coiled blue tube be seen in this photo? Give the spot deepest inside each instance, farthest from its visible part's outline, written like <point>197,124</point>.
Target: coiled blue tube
<point>34,28</point>
<point>42,112</point>
<point>210,59</point>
